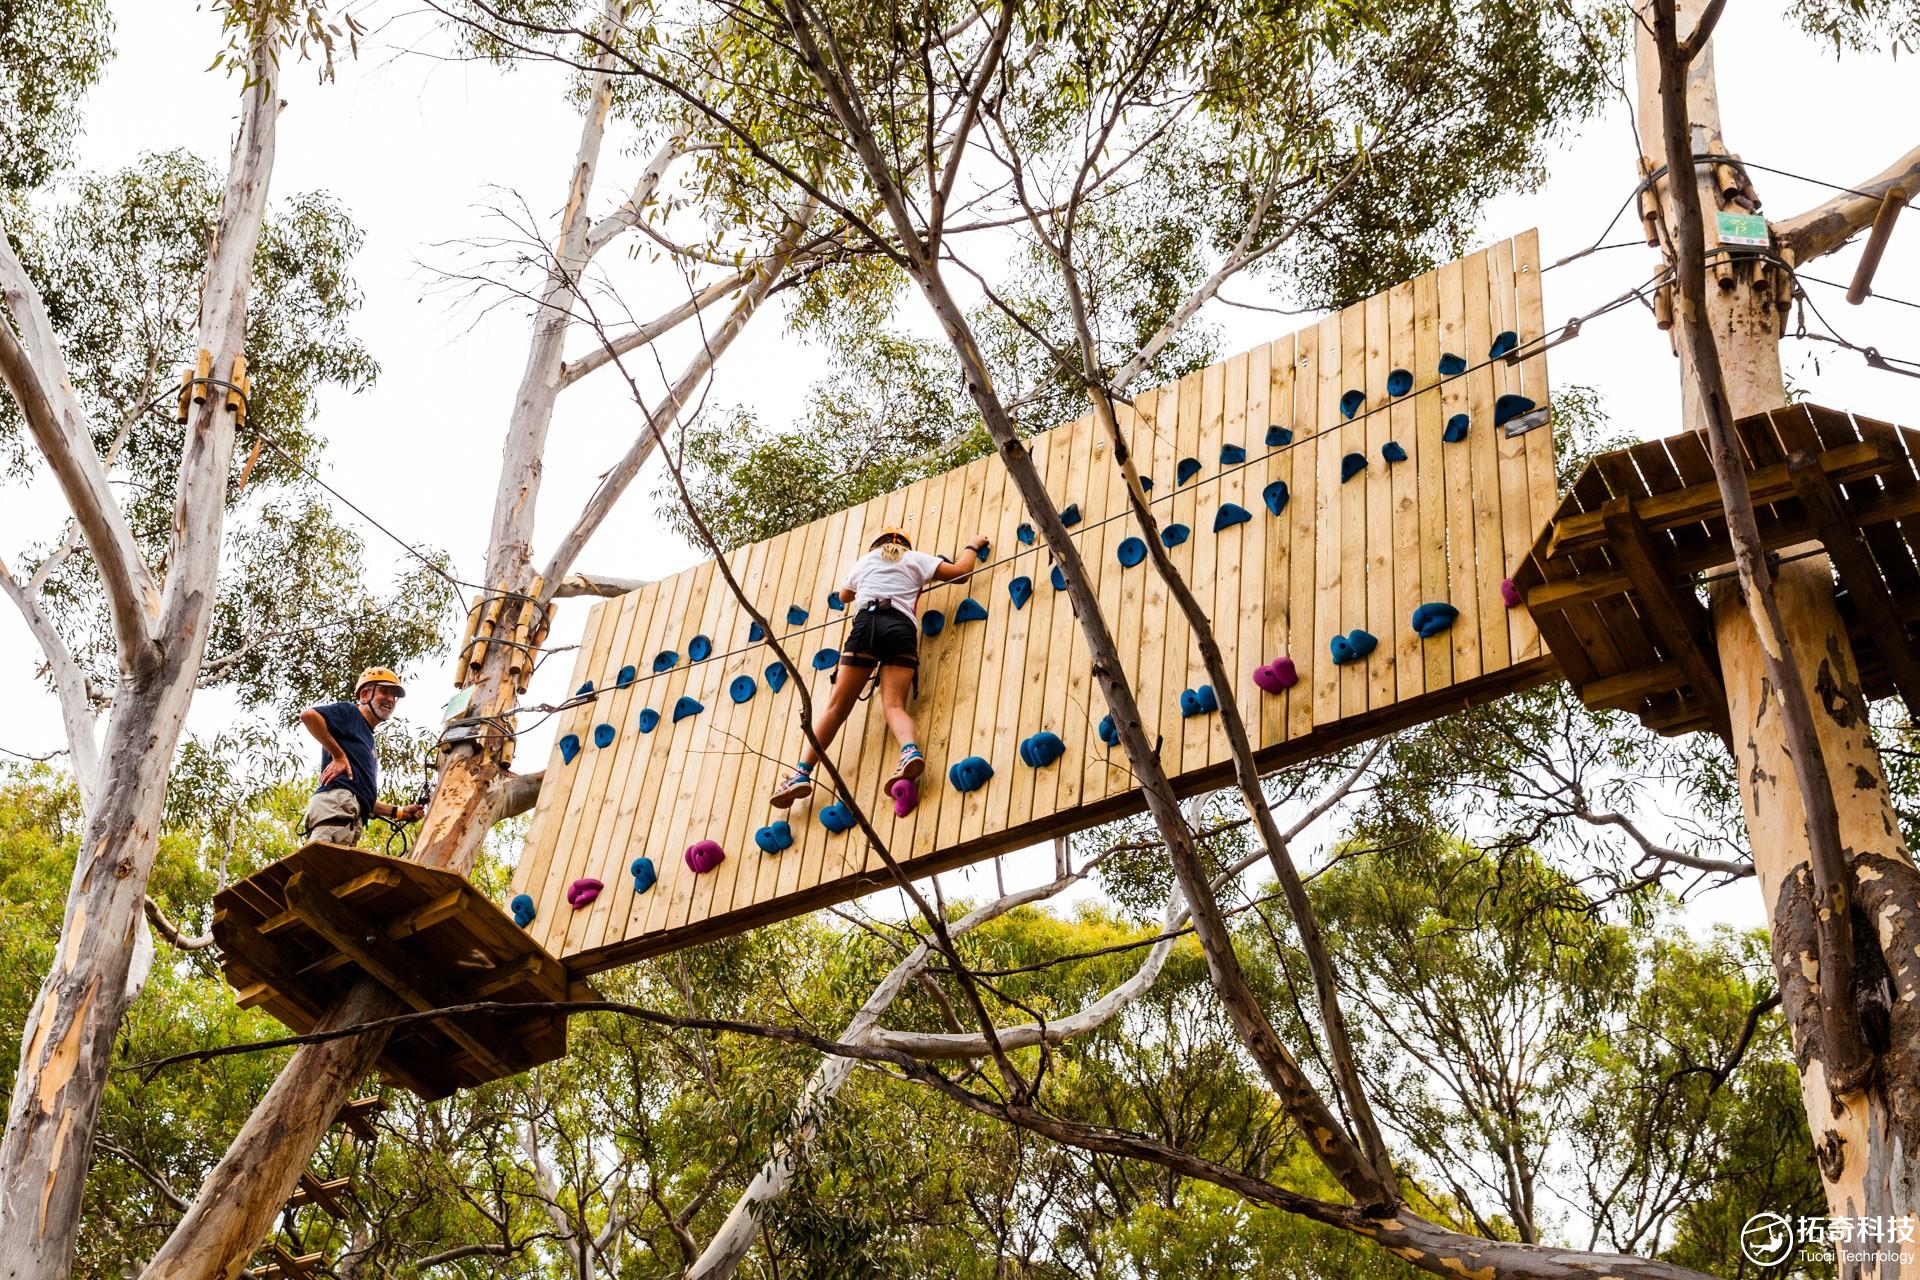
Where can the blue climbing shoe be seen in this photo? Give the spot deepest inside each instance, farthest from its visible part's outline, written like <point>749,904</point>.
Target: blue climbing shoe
<point>911,765</point>
<point>797,787</point>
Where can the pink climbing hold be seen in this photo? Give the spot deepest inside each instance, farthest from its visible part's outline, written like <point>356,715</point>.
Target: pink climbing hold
<point>1510,593</point>
<point>705,855</point>
<point>583,891</point>
<point>1276,676</point>
<point>905,793</point>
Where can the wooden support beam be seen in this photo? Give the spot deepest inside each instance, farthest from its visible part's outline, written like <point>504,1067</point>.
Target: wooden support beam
<point>1890,206</point>
<point>358,1116</point>
<point>272,979</point>
<point>1860,575</point>
<point>1627,690</point>
<point>386,963</point>
<point>287,1267</point>
<point>526,969</point>
<point>322,1195</point>
<point>1702,502</point>
<point>427,914</point>
<point>1678,621</point>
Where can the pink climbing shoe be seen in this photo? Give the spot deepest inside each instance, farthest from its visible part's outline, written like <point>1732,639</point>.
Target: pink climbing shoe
<point>911,765</point>
<point>797,787</point>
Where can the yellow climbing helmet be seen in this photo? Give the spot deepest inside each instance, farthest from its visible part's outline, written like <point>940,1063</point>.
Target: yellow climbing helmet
<point>379,675</point>
<point>892,531</point>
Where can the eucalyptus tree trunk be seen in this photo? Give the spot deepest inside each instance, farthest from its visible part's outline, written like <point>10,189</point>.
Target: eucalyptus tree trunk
<point>1861,1092</point>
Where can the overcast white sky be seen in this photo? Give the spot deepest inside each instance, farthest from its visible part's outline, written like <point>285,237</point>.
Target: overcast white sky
<point>417,149</point>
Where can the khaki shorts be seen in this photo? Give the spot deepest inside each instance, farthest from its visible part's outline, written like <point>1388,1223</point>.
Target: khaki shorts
<point>333,816</point>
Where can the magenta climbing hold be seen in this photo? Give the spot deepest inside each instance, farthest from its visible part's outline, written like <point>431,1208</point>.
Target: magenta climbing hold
<point>1352,465</point>
<point>1510,593</point>
<point>906,794</point>
<point>1456,429</point>
<point>583,891</point>
<point>705,855</point>
<point>1187,469</point>
<point>1277,676</point>
<point>1279,436</point>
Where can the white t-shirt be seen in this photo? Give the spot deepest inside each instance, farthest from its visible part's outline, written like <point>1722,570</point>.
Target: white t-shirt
<point>873,577</point>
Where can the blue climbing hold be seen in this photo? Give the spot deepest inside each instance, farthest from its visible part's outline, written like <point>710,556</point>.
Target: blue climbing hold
<point>1187,470</point>
<point>970,774</point>
<point>1503,342</point>
<point>1399,382</point>
<point>685,707</point>
<point>1352,465</point>
<point>1024,533</point>
<point>1198,702</point>
<point>1456,429</point>
<point>1433,617</point>
<point>1130,552</point>
<point>756,633</point>
<point>1229,515</point>
<point>665,660</point>
<point>742,688</point>
<point>1452,366</point>
<point>776,676</point>
<point>1070,516</point>
<point>970,610</point>
<point>1109,731</point>
<point>1350,402</point>
<point>1506,408</point>
<point>825,658</point>
<point>1393,452</point>
<point>1173,535</point>
<point>1042,749</point>
<point>1278,436</point>
<point>835,603</point>
<point>1020,590</point>
<point>1058,578</point>
<point>624,679</point>
<point>775,837</point>
<point>984,551</point>
<point>700,648</point>
<point>569,748</point>
<point>603,735</point>
<point>836,818</point>
<point>644,876</point>
<point>522,908</point>
<point>649,720</point>
<point>933,623</point>
<point>1275,496</point>
<point>1351,647</point>
<point>796,616</point>
<point>1146,484</point>
<point>1232,455</point>
<point>583,690</point>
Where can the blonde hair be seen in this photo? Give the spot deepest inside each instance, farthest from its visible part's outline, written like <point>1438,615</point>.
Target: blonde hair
<point>891,550</point>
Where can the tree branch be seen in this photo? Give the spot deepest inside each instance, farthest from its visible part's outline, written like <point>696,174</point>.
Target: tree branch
<point>172,933</point>
<point>1827,226</point>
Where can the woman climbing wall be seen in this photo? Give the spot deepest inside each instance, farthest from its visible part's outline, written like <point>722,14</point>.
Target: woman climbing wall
<point>884,587</point>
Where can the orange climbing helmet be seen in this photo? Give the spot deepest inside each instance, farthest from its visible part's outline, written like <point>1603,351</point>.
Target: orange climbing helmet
<point>894,533</point>
<point>378,676</point>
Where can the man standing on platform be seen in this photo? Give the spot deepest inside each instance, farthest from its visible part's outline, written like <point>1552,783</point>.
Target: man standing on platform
<point>349,770</point>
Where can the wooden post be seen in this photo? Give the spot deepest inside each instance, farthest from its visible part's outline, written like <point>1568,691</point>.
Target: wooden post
<point>1866,1139</point>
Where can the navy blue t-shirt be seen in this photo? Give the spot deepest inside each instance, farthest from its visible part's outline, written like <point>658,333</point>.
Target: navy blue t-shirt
<point>355,736</point>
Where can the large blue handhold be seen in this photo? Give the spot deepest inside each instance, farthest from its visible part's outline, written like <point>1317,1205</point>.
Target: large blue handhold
<point>825,658</point>
<point>756,633</point>
<point>569,748</point>
<point>1146,484</point>
<point>1278,436</point>
<point>1070,516</point>
<point>644,876</point>
<point>583,690</point>
<point>1109,731</point>
<point>1232,455</point>
<point>700,648</point>
<point>1130,552</point>
<point>742,688</point>
<point>1353,646</point>
<point>664,661</point>
<point>687,707</point>
<point>1393,452</point>
<point>1042,749</point>
<point>1187,469</point>
<point>1350,402</point>
<point>1399,382</point>
<point>1509,407</point>
<point>522,908</point>
<point>796,616</point>
<point>1504,341</point>
<point>603,735</point>
<point>1058,578</point>
<point>835,603</point>
<point>932,623</point>
<point>1456,429</point>
<point>624,679</point>
<point>1451,365</point>
<point>836,818</point>
<point>1275,496</point>
<point>1173,535</point>
<point>1024,533</point>
<point>1352,465</point>
<point>1020,590</point>
<point>970,774</point>
<point>775,837</point>
<point>649,720</point>
<point>969,610</point>
<point>1433,617</point>
<point>776,676</point>
<point>1198,702</point>
<point>1229,515</point>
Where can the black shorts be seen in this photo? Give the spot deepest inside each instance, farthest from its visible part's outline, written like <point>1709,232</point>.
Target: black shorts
<point>881,636</point>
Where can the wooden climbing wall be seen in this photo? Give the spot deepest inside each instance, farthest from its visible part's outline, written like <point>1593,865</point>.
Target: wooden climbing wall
<point>1448,524</point>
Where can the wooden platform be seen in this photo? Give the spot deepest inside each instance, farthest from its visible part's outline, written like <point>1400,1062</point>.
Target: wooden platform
<point>1614,579</point>
<point>294,936</point>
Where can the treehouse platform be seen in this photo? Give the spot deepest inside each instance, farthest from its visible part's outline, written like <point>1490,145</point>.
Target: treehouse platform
<point>296,935</point>
<point>1614,581</point>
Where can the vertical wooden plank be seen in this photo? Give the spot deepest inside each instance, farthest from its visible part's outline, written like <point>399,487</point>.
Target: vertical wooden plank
<point>1488,539</point>
<point>1382,482</point>
<point>995,740</point>
<point>1257,560</point>
<point>766,735</point>
<point>1062,696</point>
<point>941,674</point>
<point>1307,627</point>
<point>1197,732</point>
<point>1408,648</point>
<point>1274,582</point>
<point>1355,677</point>
<point>1436,655</point>
<point>968,641</point>
<point>1542,487</point>
<point>1190,557</point>
<point>1462,585</point>
<point>1050,452</point>
<point>1162,446</point>
<point>1103,778</point>
<point>1234,548</point>
<point>1516,516</point>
